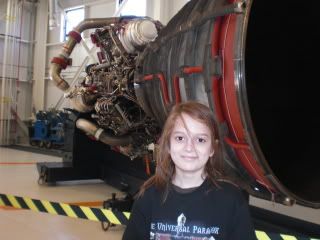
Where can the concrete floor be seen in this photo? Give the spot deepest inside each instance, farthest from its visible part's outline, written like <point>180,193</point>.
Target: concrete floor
<point>18,176</point>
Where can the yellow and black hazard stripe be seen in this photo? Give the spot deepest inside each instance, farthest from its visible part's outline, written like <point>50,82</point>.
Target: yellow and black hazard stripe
<point>101,215</point>
<point>261,235</point>
<point>63,209</point>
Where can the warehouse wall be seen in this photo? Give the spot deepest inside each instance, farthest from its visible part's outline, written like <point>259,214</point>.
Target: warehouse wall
<point>18,51</point>
<point>16,59</point>
<point>164,10</point>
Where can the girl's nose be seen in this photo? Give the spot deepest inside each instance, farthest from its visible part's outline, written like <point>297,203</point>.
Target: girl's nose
<point>189,145</point>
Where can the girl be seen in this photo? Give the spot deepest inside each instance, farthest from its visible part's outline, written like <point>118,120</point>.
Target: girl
<point>185,198</point>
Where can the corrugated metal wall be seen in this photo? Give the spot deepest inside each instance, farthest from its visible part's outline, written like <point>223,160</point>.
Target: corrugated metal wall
<point>16,47</point>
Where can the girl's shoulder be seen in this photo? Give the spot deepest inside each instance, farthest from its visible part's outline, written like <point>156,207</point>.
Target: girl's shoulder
<point>228,185</point>
<point>149,194</point>
<point>229,191</point>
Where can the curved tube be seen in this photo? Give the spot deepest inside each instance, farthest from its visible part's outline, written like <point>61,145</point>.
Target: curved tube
<point>86,126</point>
<point>78,104</point>
<point>62,60</point>
<point>95,23</point>
<point>91,129</point>
<point>55,71</point>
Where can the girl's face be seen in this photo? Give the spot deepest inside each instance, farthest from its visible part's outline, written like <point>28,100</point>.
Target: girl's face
<point>190,145</point>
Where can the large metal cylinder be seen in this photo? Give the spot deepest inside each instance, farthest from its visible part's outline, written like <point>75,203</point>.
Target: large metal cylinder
<point>137,34</point>
<point>255,65</point>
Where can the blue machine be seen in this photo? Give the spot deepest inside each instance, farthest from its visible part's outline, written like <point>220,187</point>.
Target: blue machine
<point>48,129</point>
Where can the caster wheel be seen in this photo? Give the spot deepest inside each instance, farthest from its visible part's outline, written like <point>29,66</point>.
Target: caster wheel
<point>42,176</point>
<point>41,180</point>
<point>41,144</point>
<point>48,145</point>
<point>106,225</point>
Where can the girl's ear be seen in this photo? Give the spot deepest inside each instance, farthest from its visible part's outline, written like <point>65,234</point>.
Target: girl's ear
<point>212,153</point>
<point>216,142</point>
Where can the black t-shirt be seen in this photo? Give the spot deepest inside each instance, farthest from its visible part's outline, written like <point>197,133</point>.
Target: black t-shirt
<point>207,212</point>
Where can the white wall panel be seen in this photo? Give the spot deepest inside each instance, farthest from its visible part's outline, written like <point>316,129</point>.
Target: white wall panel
<point>176,6</point>
<point>164,10</point>
<point>40,55</point>
<point>3,16</point>
<point>24,100</point>
<point>102,10</point>
<point>53,94</point>
<point>19,54</point>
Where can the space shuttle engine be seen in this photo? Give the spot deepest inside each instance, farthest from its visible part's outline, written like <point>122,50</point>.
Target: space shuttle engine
<point>236,57</point>
<point>108,89</point>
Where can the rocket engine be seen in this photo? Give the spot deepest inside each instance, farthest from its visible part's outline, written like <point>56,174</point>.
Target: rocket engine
<point>108,89</point>
<point>226,54</point>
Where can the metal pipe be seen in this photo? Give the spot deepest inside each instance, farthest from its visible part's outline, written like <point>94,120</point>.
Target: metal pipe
<point>52,11</point>
<point>121,6</point>
<point>95,23</point>
<point>74,38</point>
<point>101,66</point>
<point>84,62</point>
<point>60,101</point>
<point>54,44</point>
<point>91,129</point>
<point>18,39</point>
<point>55,71</point>
<point>89,51</point>
<point>13,86</point>
<point>14,108</point>
<point>79,104</point>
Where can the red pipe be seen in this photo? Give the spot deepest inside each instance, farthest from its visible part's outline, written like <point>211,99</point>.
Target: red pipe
<point>163,82</point>
<point>176,87</point>
<point>147,162</point>
<point>176,84</point>
<point>164,88</point>
<point>75,35</point>
<point>62,62</point>
<point>235,145</point>
<point>230,103</point>
<point>190,70</point>
<point>216,98</point>
<point>215,47</point>
<point>148,77</point>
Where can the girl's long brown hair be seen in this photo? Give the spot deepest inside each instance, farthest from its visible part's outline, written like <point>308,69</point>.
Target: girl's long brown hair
<point>165,167</point>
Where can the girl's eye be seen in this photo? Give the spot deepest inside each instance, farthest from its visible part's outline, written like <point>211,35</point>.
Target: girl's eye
<point>179,138</point>
<point>202,140</point>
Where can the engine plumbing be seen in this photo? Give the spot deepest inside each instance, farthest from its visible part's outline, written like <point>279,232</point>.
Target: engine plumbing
<point>107,91</point>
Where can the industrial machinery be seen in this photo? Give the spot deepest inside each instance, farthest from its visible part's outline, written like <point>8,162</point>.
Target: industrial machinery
<point>48,129</point>
<point>244,59</point>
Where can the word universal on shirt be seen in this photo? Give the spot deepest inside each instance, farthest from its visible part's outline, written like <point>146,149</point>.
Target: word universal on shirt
<point>165,227</point>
